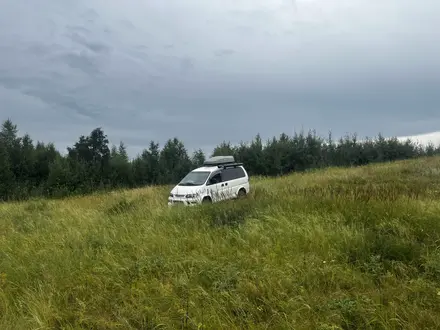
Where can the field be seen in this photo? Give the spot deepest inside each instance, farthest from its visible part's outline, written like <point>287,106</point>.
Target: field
<point>333,249</point>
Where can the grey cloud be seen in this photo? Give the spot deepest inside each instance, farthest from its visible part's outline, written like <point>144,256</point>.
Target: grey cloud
<point>186,65</point>
<point>78,29</point>
<point>128,24</point>
<point>68,104</point>
<point>82,62</point>
<point>224,52</point>
<point>245,30</point>
<point>153,70</point>
<point>93,46</point>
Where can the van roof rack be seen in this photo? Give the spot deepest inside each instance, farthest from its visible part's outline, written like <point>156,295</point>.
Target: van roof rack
<point>219,161</point>
<point>230,165</point>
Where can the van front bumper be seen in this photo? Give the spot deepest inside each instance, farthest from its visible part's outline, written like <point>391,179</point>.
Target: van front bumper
<point>184,202</point>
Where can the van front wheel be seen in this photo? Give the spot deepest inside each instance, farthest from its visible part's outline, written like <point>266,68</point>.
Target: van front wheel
<point>206,200</point>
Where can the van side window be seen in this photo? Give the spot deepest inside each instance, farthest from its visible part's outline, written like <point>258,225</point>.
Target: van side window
<point>217,178</point>
<point>233,173</point>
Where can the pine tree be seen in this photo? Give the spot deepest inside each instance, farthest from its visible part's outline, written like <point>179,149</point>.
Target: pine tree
<point>198,158</point>
<point>6,175</point>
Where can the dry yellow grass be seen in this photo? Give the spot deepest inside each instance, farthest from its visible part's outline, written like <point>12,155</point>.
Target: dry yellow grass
<point>333,249</point>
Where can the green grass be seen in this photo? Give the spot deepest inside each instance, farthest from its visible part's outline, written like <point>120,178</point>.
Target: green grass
<point>334,249</point>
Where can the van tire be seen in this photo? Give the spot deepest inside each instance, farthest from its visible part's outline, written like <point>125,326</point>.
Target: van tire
<point>241,193</point>
<point>207,200</point>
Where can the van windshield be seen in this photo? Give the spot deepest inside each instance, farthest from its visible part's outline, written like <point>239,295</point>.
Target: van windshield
<point>194,178</point>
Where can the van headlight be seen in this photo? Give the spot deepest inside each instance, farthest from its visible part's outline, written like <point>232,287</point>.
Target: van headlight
<point>171,195</point>
<point>191,196</point>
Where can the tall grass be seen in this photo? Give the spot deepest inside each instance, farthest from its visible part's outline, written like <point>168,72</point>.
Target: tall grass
<point>334,249</point>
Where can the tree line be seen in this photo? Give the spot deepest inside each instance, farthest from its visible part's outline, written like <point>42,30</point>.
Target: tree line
<point>29,169</point>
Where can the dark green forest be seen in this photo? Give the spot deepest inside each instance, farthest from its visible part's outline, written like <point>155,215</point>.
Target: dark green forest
<point>29,169</point>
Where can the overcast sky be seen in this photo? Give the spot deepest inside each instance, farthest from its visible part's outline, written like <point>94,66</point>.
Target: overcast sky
<point>208,71</point>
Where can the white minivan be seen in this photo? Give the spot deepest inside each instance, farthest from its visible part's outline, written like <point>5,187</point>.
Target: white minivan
<point>220,178</point>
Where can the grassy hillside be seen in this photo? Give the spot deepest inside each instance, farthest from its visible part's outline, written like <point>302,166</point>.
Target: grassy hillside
<point>333,249</point>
